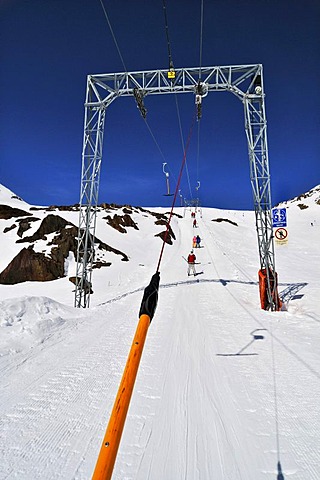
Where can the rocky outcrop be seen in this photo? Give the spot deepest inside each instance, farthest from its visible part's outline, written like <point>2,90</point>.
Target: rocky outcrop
<point>219,220</point>
<point>7,229</point>
<point>119,222</point>
<point>103,246</point>
<point>7,212</point>
<point>166,237</point>
<point>46,260</point>
<point>31,266</point>
<point>25,224</point>
<point>50,224</point>
<point>87,285</point>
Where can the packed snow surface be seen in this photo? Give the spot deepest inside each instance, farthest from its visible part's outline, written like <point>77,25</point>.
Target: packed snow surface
<point>225,390</point>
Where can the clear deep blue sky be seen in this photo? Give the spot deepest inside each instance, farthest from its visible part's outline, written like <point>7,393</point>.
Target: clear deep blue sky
<point>49,46</point>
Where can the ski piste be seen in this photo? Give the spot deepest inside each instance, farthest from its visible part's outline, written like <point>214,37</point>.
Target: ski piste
<point>195,263</point>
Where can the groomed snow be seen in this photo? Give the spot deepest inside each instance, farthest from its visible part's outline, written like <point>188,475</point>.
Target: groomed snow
<point>225,391</point>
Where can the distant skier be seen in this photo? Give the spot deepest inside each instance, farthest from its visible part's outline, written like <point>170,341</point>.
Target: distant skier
<point>198,240</point>
<point>194,223</point>
<point>194,242</point>
<point>191,262</point>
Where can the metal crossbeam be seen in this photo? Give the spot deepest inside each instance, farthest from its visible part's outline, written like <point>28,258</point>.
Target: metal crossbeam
<point>244,81</point>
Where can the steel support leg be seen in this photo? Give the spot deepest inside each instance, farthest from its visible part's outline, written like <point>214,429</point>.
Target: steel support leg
<point>256,131</point>
<point>90,176</point>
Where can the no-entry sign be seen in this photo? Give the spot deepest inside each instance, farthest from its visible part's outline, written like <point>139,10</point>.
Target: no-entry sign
<point>281,235</point>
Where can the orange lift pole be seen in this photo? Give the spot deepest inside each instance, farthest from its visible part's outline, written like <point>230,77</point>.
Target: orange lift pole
<point>111,441</point>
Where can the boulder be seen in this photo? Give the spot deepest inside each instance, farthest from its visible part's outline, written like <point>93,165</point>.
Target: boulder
<point>31,266</point>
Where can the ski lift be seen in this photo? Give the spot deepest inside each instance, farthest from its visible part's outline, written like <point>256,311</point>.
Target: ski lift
<point>168,194</point>
<point>198,185</point>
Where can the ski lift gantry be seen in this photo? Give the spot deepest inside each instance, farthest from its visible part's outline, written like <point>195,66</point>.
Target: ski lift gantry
<point>244,81</point>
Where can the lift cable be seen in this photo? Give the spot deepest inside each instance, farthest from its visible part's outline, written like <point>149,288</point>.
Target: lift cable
<point>171,67</point>
<point>198,151</point>
<point>167,34</point>
<point>199,113</point>
<point>113,35</point>
<point>176,191</point>
<point>201,35</point>
<point>182,142</point>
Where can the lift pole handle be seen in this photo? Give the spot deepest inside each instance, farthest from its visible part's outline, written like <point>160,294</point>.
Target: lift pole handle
<point>111,441</point>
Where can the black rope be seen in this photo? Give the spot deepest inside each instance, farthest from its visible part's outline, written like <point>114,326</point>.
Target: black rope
<point>167,34</point>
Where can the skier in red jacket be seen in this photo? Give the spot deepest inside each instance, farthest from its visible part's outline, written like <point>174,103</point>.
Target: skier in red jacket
<point>191,262</point>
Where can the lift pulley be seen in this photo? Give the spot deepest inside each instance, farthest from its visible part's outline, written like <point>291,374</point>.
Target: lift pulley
<point>139,95</point>
<point>201,90</point>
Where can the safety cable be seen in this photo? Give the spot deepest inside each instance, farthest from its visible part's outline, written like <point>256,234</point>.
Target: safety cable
<point>176,191</point>
<point>113,35</point>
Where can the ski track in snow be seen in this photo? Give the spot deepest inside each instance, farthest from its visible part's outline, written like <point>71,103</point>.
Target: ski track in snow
<point>210,400</point>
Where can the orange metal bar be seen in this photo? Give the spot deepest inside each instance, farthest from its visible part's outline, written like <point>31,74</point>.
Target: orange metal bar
<point>111,441</point>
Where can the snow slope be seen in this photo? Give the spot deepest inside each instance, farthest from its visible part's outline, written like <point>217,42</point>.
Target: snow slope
<point>225,391</point>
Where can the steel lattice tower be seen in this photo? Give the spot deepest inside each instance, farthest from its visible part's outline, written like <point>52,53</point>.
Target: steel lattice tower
<point>244,81</point>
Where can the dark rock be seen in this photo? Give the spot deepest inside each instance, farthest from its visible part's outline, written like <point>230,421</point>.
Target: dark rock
<point>120,221</point>
<point>101,264</point>
<point>50,224</point>
<point>87,286</point>
<point>107,248</point>
<point>7,229</point>
<point>24,225</point>
<point>31,266</point>
<point>7,212</point>
<point>219,220</point>
<point>166,237</point>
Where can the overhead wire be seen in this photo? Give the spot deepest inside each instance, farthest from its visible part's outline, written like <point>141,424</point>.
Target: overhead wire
<point>201,37</point>
<point>182,143</point>
<point>171,66</point>
<point>200,67</point>
<point>113,35</point>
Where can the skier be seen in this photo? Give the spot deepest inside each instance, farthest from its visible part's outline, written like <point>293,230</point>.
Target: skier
<point>191,262</point>
<point>198,240</point>
<point>194,242</point>
<point>194,223</point>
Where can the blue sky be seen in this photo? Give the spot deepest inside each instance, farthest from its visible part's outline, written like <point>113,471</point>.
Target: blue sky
<point>49,47</point>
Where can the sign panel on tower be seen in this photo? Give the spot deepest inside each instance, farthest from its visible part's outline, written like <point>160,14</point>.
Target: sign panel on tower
<point>279,217</point>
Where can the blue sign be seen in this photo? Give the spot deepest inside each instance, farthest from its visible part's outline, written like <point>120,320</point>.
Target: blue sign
<point>279,217</point>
